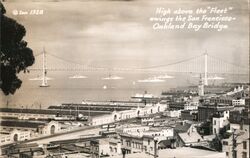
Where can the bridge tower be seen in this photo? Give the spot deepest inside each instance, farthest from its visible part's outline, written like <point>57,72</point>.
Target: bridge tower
<point>205,71</point>
<point>44,71</point>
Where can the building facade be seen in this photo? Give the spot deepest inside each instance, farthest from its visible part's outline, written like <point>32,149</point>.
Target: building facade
<point>238,144</point>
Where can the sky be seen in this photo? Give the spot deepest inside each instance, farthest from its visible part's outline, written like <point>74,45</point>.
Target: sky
<point>119,33</point>
<point>116,33</point>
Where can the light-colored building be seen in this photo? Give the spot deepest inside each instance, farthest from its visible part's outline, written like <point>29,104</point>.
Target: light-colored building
<point>241,137</point>
<point>146,120</point>
<point>115,146</point>
<point>191,106</point>
<point>238,102</point>
<point>51,128</point>
<point>127,114</point>
<point>149,145</point>
<point>161,133</point>
<point>173,113</point>
<point>35,129</point>
<point>14,135</point>
<point>104,148</point>
<point>132,129</point>
<point>131,143</point>
<point>219,121</point>
<point>186,135</point>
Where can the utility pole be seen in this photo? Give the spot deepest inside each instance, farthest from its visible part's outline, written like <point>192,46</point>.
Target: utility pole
<point>123,152</point>
<point>234,145</point>
<point>155,147</point>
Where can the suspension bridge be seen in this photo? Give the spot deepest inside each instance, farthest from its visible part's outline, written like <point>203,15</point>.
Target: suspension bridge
<point>202,64</point>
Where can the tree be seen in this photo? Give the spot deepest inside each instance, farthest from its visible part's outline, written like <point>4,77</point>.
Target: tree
<point>216,143</point>
<point>15,56</point>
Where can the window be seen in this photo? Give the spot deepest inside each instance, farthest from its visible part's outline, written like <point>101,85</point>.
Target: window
<point>128,143</point>
<point>148,142</point>
<point>244,154</point>
<point>214,122</point>
<point>215,130</point>
<point>244,145</point>
<point>225,143</point>
<point>227,153</point>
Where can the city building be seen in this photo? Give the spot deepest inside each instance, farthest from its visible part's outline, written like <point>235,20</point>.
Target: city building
<point>237,145</point>
<point>201,91</point>
<point>191,115</point>
<point>131,143</point>
<point>220,120</point>
<point>238,102</point>
<point>15,135</point>
<point>221,100</point>
<point>114,146</point>
<point>133,129</point>
<point>145,120</point>
<point>35,129</point>
<point>161,133</point>
<point>187,135</point>
<point>207,110</point>
<point>128,114</point>
<point>173,113</point>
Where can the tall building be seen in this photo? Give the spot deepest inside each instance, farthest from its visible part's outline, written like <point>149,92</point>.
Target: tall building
<point>201,87</point>
<point>207,110</point>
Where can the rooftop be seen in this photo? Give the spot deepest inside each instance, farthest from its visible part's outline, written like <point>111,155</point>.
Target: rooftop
<point>179,153</point>
<point>190,138</point>
<point>182,128</point>
<point>15,123</point>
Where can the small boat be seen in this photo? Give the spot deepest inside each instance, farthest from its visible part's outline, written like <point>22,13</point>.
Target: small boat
<point>112,77</point>
<point>77,77</point>
<point>164,76</point>
<point>151,80</point>
<point>104,87</point>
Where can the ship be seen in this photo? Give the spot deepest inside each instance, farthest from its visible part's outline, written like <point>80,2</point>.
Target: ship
<point>112,77</point>
<point>77,77</point>
<point>164,76</point>
<point>151,80</point>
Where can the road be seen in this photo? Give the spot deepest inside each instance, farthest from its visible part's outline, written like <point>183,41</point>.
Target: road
<point>70,135</point>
